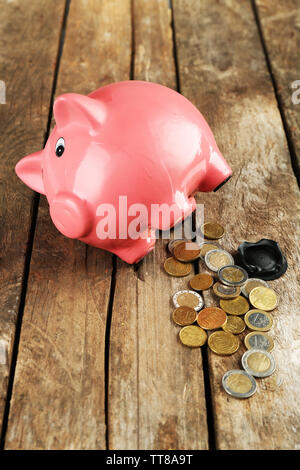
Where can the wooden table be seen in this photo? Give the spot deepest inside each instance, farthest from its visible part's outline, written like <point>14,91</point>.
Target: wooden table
<point>90,358</point>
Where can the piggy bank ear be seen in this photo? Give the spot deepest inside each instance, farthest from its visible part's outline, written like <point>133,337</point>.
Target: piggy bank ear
<point>73,108</point>
<point>29,170</point>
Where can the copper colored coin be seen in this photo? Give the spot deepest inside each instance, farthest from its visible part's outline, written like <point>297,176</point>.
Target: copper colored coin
<point>184,316</point>
<point>175,268</point>
<point>173,243</point>
<point>186,251</point>
<point>211,318</point>
<point>201,281</point>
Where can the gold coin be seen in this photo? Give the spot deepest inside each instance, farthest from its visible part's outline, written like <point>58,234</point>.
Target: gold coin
<point>263,298</point>
<point>223,343</point>
<point>201,281</point>
<point>212,230</point>
<point>207,247</point>
<point>234,325</point>
<point>183,316</point>
<point>192,336</point>
<point>226,292</point>
<point>175,268</point>
<point>186,251</point>
<point>259,340</point>
<point>258,320</point>
<point>237,306</point>
<point>211,318</point>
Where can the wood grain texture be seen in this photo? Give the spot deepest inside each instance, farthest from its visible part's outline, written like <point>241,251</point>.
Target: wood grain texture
<point>156,392</point>
<point>223,71</point>
<point>153,42</point>
<point>59,388</point>
<point>28,52</point>
<point>281,32</point>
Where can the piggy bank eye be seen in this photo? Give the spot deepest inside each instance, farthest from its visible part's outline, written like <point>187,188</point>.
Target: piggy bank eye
<point>60,147</point>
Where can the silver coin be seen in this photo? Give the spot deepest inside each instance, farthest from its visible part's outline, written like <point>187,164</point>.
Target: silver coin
<point>256,367</point>
<point>248,282</point>
<point>258,340</point>
<point>222,258</point>
<point>225,280</point>
<point>195,294</point>
<point>235,393</point>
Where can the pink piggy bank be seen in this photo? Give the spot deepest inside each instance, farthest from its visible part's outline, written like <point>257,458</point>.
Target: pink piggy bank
<point>123,162</point>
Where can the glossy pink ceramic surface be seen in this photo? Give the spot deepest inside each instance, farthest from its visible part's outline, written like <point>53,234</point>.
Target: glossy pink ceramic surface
<point>139,140</point>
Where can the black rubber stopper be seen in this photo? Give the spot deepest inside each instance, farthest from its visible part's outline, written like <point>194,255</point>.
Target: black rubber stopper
<point>263,259</point>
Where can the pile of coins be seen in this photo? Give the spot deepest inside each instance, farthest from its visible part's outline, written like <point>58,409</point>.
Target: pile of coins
<point>243,302</point>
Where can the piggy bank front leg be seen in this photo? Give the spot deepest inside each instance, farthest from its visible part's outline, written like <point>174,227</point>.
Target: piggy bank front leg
<point>131,251</point>
<point>175,213</point>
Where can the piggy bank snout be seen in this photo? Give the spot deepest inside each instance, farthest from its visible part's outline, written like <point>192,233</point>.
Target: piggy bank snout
<point>70,215</point>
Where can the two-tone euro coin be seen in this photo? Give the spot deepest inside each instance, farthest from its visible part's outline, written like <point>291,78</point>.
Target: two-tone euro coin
<point>258,362</point>
<point>216,259</point>
<point>258,320</point>
<point>188,298</point>
<point>232,275</point>
<point>239,384</point>
<point>259,340</point>
<point>226,292</point>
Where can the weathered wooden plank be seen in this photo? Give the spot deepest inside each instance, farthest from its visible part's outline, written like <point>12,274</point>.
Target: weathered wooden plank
<point>28,52</point>
<point>223,71</point>
<point>153,42</point>
<point>58,399</point>
<point>156,392</point>
<point>280,27</point>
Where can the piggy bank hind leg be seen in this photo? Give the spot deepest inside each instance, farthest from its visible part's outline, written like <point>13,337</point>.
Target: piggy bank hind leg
<point>191,206</point>
<point>134,250</point>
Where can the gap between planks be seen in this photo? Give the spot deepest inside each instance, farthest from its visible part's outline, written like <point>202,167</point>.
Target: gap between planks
<point>292,151</point>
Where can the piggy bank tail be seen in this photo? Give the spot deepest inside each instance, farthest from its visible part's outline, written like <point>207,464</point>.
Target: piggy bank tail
<point>218,172</point>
